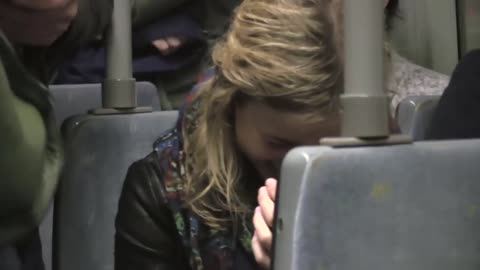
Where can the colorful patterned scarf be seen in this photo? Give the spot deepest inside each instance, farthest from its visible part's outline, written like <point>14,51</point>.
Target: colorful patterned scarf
<point>200,241</point>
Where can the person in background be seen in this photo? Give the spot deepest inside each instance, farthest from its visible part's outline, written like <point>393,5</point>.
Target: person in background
<point>213,17</point>
<point>35,37</point>
<point>407,78</point>
<point>169,50</point>
<point>164,67</point>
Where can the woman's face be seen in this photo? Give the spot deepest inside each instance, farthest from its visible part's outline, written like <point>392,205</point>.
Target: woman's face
<point>265,135</point>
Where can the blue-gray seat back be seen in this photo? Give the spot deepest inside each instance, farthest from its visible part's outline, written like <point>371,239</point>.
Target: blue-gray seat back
<point>414,115</point>
<point>99,150</point>
<point>76,99</point>
<point>412,207</point>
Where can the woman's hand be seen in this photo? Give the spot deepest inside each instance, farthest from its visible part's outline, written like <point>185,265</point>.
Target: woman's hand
<point>36,22</point>
<point>263,222</point>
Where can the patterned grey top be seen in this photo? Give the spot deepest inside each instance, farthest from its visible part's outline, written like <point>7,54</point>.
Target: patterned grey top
<point>409,79</point>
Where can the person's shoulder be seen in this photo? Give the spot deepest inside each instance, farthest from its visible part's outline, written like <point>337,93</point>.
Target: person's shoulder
<point>409,79</point>
<point>465,81</point>
<point>142,173</point>
<point>457,113</point>
<point>155,176</point>
<point>472,57</point>
<point>156,184</point>
<point>417,80</point>
<point>146,221</point>
<point>469,65</point>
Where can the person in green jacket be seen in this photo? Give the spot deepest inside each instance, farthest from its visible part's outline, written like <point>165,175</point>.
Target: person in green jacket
<point>35,37</point>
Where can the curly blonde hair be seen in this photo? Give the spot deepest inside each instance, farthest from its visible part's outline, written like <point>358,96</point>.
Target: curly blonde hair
<point>284,53</point>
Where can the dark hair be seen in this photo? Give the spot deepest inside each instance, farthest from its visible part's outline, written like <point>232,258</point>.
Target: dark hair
<point>391,10</point>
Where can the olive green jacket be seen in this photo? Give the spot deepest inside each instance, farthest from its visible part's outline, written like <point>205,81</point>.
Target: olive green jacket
<point>30,148</point>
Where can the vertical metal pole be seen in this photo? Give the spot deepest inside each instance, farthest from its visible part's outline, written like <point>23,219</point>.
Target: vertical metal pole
<point>365,102</point>
<point>119,85</point>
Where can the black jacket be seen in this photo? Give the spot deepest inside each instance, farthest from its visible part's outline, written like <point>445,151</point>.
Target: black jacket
<point>146,237</point>
<point>458,113</point>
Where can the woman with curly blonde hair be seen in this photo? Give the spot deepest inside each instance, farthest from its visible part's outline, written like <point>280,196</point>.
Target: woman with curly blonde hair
<point>275,86</point>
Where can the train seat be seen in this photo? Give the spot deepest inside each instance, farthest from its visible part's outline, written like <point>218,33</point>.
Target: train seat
<point>70,100</point>
<point>99,149</point>
<point>412,206</point>
<point>414,115</point>
<point>76,99</point>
